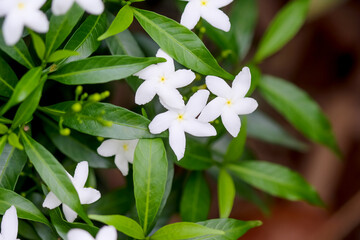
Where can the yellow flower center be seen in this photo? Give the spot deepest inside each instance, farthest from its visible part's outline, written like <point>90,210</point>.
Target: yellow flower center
<point>229,102</point>
<point>162,79</point>
<point>126,147</point>
<point>21,6</point>
<point>204,2</point>
<point>180,117</point>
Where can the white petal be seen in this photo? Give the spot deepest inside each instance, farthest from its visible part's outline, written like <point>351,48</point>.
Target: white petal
<point>242,82</point>
<point>191,15</point>
<point>245,106</point>
<point>107,233</point>
<point>37,4</point>
<point>122,164</point>
<point>177,140</point>
<point>88,195</point>
<point>109,147</point>
<point>6,7</point>
<point>170,96</point>
<point>162,122</point>
<point>216,18</point>
<point>60,7</point>
<point>196,103</point>
<point>149,72</point>
<point>79,234</point>
<point>37,21</point>
<point>70,215</point>
<point>81,174</point>
<point>231,122</point>
<point>12,29</point>
<point>213,110</point>
<point>145,93</point>
<point>219,3</point>
<point>51,201</point>
<point>182,78</point>
<point>168,66</point>
<point>131,150</point>
<point>95,7</point>
<point>170,108</point>
<point>199,129</point>
<point>9,224</point>
<point>218,86</point>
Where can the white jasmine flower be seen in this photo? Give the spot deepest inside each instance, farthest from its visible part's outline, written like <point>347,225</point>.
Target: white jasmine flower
<point>123,151</point>
<point>207,9</point>
<point>230,102</point>
<point>20,13</point>
<point>9,225</point>
<point>163,80</point>
<point>105,233</point>
<point>86,195</point>
<point>182,120</point>
<point>60,7</point>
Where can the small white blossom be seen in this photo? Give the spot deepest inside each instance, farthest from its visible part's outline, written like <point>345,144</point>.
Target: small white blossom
<point>9,225</point>
<point>230,102</point>
<point>60,7</point>
<point>182,120</point>
<point>163,80</point>
<point>21,13</point>
<point>207,9</point>
<point>86,195</point>
<point>105,233</point>
<point>123,151</point>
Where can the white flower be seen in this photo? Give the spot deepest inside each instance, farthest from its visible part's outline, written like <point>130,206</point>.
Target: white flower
<point>163,80</point>
<point>20,13</point>
<point>60,7</point>
<point>182,120</point>
<point>207,9</point>
<point>86,195</point>
<point>230,102</point>
<point>105,233</point>
<point>123,151</point>
<point>9,225</point>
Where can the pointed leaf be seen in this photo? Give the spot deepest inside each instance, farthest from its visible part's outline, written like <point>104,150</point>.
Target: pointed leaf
<point>39,45</point>
<point>8,79</point>
<point>226,193</point>
<point>60,55</point>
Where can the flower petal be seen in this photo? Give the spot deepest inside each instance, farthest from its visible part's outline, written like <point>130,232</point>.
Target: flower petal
<point>51,201</point>
<point>109,147</point>
<point>213,110</point>
<point>167,66</point>
<point>177,140</point>
<point>129,154</point>
<point>12,29</point>
<point>199,129</point>
<point>59,7</point>
<point>70,215</point>
<point>191,15</point>
<point>218,86</point>
<point>196,103</point>
<point>231,122</point>
<point>81,174</point>
<point>95,7</point>
<point>88,195</point>
<point>171,96</point>
<point>162,121</point>
<point>107,233</point>
<point>216,18</point>
<point>244,106</point>
<point>219,3</point>
<point>77,234</point>
<point>122,164</point>
<point>242,82</point>
<point>9,224</point>
<point>5,7</point>
<point>182,78</point>
<point>145,93</point>
<point>37,21</point>
<point>37,4</point>
<point>148,73</point>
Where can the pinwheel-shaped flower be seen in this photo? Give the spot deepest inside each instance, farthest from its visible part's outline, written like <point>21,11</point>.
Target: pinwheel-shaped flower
<point>163,80</point>
<point>9,225</point>
<point>60,7</point>
<point>182,120</point>
<point>105,233</point>
<point>86,195</point>
<point>230,102</point>
<point>207,9</point>
<point>123,151</point>
<point>20,13</point>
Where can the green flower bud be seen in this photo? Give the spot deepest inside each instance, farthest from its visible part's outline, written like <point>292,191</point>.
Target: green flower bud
<point>65,131</point>
<point>76,107</point>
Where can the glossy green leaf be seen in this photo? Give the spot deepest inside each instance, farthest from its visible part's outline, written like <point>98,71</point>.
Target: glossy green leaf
<point>3,129</point>
<point>195,200</point>
<point>184,230</point>
<point>3,141</point>
<point>233,228</point>
<point>180,43</point>
<point>122,21</point>
<point>150,175</point>
<point>26,231</point>
<point>237,145</point>
<point>60,55</point>
<point>276,180</point>
<point>45,232</point>
<point>226,193</point>
<point>125,124</point>
<point>8,79</point>
<point>25,208</point>
<point>197,156</point>
<point>23,89</point>
<point>13,140</point>
<point>39,45</point>
<point>101,69</point>
<point>299,109</point>
<point>283,28</point>
<point>122,223</point>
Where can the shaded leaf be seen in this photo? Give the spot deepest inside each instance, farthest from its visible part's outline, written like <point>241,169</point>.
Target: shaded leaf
<point>8,79</point>
<point>226,193</point>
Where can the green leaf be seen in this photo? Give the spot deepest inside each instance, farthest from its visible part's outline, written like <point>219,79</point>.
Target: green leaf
<point>39,45</point>
<point>8,79</point>
<point>123,224</point>
<point>53,174</point>
<point>13,140</point>
<point>276,180</point>
<point>180,43</point>
<point>195,200</point>
<point>23,89</point>
<point>283,28</point>
<point>60,27</point>
<point>150,175</point>
<point>3,141</point>
<point>26,231</point>
<point>45,232</point>
<point>3,129</point>
<point>299,109</point>
<point>184,230</point>
<point>60,55</point>
<point>226,193</point>
<point>25,208</point>
<point>122,21</point>
<point>12,162</point>
<point>233,228</point>
<point>125,124</point>
<point>237,145</point>
<point>101,69</point>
